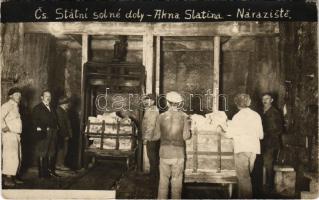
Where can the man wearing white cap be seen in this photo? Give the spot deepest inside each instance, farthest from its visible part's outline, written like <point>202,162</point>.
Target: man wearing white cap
<point>11,128</point>
<point>172,129</point>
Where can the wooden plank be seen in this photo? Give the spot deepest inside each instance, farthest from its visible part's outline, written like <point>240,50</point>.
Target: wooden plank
<point>158,65</point>
<point>57,194</point>
<point>210,153</point>
<point>195,157</point>
<point>102,135</point>
<point>216,72</point>
<point>110,152</point>
<point>148,60</point>
<point>224,176</point>
<point>85,55</point>
<point>219,153</point>
<point>158,29</point>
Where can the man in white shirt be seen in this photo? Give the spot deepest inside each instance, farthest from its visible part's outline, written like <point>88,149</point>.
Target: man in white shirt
<point>11,128</point>
<point>247,131</point>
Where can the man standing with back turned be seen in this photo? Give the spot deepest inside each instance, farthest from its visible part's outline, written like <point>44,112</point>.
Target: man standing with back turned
<point>247,131</point>
<point>172,129</point>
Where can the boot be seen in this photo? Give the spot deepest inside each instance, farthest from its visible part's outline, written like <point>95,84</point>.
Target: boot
<point>8,181</point>
<point>51,167</point>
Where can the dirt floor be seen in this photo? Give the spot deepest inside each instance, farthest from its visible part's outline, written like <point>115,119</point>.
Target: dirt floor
<point>112,175</point>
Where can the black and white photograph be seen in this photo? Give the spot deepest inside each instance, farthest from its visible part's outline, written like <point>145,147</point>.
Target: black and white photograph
<point>157,100</point>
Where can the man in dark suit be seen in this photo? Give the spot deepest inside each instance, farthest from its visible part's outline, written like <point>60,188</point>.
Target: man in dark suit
<point>45,127</point>
<point>273,129</point>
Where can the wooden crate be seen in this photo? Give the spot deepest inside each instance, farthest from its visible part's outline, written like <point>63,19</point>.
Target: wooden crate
<point>210,159</point>
<point>121,132</point>
<point>209,151</point>
<point>117,137</point>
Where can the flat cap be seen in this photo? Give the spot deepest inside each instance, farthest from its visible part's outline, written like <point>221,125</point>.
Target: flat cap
<point>64,100</point>
<point>174,97</point>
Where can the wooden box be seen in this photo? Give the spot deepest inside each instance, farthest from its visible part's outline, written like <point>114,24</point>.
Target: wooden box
<point>109,136</point>
<point>210,159</point>
<point>285,180</point>
<point>209,151</point>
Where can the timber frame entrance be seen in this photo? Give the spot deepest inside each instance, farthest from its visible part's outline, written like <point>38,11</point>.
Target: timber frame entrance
<point>152,33</point>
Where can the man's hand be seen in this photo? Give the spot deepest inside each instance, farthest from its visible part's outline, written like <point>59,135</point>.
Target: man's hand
<point>223,127</point>
<point>5,129</point>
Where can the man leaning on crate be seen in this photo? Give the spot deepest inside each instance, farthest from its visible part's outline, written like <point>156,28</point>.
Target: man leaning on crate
<point>247,131</point>
<point>172,129</point>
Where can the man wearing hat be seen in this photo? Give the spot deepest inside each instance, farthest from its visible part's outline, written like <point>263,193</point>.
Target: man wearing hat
<point>172,129</point>
<point>45,127</point>
<point>247,131</point>
<point>151,113</point>
<point>64,133</point>
<point>11,128</point>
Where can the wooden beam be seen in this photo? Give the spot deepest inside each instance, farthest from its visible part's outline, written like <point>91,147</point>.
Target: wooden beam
<point>158,29</point>
<point>148,60</point>
<point>158,64</point>
<point>216,73</point>
<point>85,49</point>
<point>85,56</point>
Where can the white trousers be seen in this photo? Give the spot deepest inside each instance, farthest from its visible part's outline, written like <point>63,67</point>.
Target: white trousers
<point>11,153</point>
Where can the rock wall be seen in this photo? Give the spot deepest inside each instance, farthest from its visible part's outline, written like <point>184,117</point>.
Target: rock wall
<point>299,58</point>
<point>28,61</point>
<point>187,65</point>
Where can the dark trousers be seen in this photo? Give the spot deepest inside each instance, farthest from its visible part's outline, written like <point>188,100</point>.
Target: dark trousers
<point>46,147</point>
<point>152,148</point>
<point>62,150</point>
<point>269,158</point>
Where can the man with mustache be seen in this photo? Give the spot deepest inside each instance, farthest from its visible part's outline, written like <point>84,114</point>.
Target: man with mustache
<point>273,127</point>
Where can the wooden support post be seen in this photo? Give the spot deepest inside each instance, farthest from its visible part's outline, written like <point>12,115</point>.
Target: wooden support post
<point>85,55</point>
<point>158,64</point>
<point>216,73</point>
<point>148,60</point>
